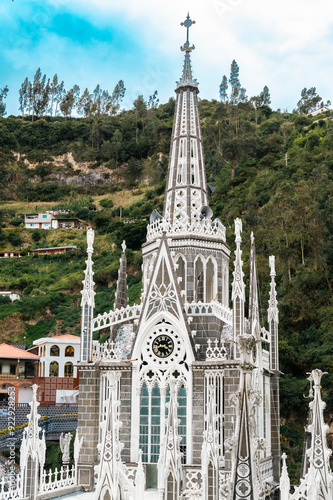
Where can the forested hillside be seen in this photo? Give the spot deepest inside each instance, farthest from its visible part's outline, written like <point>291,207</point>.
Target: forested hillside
<point>272,169</point>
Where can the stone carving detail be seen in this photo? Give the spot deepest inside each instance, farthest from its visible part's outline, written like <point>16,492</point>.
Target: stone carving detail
<point>65,440</point>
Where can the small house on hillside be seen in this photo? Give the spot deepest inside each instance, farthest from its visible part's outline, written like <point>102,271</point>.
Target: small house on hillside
<point>4,254</point>
<point>52,250</point>
<point>17,368</point>
<point>38,221</point>
<point>48,221</point>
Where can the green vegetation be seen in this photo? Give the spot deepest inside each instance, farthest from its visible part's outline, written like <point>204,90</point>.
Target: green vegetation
<point>273,169</point>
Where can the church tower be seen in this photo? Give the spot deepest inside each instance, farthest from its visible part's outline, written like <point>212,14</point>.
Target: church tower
<point>176,356</point>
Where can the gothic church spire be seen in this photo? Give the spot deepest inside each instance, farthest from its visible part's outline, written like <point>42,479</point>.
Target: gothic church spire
<point>186,191</point>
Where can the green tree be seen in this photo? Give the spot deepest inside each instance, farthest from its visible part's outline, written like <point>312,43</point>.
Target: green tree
<point>69,101</point>
<point>58,96</point>
<point>153,100</point>
<point>238,93</point>
<point>85,104</point>
<point>309,100</point>
<point>3,95</point>
<point>23,96</point>
<point>140,107</point>
<point>224,89</point>
<point>116,144</point>
<point>118,95</point>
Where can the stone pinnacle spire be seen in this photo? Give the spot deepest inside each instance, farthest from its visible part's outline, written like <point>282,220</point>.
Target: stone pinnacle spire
<point>121,299</point>
<point>88,302</point>
<point>186,191</point>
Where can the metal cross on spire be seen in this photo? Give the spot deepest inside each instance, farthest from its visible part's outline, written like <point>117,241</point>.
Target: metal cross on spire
<point>187,23</point>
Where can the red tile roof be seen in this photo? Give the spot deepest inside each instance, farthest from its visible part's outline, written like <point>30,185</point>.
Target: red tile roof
<point>9,351</point>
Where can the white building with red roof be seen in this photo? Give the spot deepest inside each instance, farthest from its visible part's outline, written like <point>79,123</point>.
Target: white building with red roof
<point>17,368</point>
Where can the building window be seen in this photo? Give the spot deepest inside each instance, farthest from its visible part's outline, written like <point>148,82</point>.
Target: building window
<point>181,272</point>
<point>152,410</point>
<point>54,369</point>
<point>150,423</point>
<point>54,351</point>
<point>211,288</point>
<point>69,369</point>
<point>69,351</point>
<point>12,369</point>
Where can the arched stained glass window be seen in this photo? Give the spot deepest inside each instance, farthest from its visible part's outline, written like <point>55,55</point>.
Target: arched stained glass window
<point>55,351</point>
<point>69,351</point>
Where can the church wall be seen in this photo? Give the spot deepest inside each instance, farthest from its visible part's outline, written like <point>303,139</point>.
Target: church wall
<point>88,422</point>
<point>198,412</point>
<point>231,386</point>
<point>207,327</point>
<point>125,414</point>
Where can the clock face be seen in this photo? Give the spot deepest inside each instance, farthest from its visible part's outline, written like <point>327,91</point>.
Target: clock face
<point>162,346</point>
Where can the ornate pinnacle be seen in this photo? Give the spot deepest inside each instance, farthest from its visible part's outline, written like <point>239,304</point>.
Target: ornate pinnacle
<point>238,230</point>
<point>90,240</point>
<point>187,23</point>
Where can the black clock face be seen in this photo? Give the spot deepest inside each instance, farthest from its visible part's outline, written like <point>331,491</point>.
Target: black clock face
<point>162,346</point>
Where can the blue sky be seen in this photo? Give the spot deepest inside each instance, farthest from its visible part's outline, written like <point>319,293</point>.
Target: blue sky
<point>286,45</point>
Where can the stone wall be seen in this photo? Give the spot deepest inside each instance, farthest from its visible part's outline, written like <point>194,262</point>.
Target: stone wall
<point>88,422</point>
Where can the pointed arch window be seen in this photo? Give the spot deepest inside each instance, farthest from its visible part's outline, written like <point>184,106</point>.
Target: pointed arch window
<point>199,280</point>
<point>150,423</point>
<point>181,415</point>
<point>181,272</point>
<point>211,280</point>
<point>216,380</point>
<point>153,412</point>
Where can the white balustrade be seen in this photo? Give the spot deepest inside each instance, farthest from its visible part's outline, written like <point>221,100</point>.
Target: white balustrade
<point>109,351</point>
<point>58,479</point>
<point>216,351</point>
<point>193,485</point>
<point>206,227</point>
<point>116,317</point>
<point>212,308</point>
<point>10,487</point>
<point>266,469</point>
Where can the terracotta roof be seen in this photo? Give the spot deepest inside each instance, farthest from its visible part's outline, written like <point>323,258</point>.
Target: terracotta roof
<point>9,351</point>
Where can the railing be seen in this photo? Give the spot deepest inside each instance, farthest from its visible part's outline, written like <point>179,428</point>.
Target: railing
<point>266,469</point>
<point>108,351</point>
<point>193,483</point>
<point>215,351</point>
<point>206,227</point>
<point>56,480</point>
<point>10,487</point>
<point>21,376</point>
<point>116,317</point>
<point>212,308</point>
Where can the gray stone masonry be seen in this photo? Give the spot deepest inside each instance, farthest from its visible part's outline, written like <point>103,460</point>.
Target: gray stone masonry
<point>88,421</point>
<point>125,413</point>
<point>207,327</point>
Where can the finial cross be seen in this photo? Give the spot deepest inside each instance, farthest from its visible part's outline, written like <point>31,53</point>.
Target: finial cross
<point>187,23</point>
